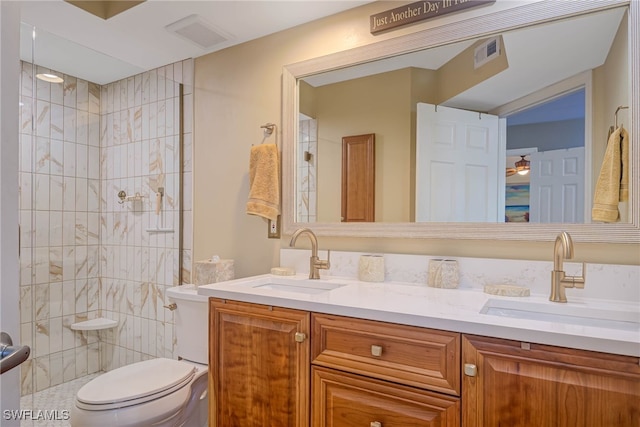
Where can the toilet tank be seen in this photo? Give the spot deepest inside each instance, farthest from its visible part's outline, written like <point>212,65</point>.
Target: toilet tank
<point>191,320</point>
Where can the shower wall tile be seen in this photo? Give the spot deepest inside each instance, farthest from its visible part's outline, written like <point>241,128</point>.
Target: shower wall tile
<point>88,255</point>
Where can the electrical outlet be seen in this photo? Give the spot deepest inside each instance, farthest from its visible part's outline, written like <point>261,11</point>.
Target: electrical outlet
<point>274,229</point>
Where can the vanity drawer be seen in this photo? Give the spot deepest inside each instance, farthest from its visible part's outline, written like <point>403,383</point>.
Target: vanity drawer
<point>419,357</point>
<point>348,400</point>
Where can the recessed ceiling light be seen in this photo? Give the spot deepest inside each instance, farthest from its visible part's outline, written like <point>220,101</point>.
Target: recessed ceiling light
<point>51,78</point>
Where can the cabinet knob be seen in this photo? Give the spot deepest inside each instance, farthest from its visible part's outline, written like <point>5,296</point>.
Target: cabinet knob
<point>470,369</point>
<point>300,336</point>
<point>376,350</point>
<point>375,424</point>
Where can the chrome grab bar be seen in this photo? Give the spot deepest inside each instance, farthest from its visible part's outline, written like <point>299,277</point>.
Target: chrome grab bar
<point>10,355</point>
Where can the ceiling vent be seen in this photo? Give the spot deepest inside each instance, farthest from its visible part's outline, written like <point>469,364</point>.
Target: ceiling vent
<point>196,30</point>
<point>487,51</point>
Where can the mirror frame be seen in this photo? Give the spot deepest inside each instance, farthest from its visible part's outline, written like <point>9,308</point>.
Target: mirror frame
<point>517,17</point>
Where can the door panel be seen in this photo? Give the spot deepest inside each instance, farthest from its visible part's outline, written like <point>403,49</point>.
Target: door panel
<point>557,186</point>
<point>458,156</point>
<point>358,178</point>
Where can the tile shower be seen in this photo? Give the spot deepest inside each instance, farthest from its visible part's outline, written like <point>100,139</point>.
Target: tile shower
<point>83,254</point>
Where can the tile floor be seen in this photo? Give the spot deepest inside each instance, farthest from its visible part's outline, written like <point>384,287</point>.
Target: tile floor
<point>51,407</point>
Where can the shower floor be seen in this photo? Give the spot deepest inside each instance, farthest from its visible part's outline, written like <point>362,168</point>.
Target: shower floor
<point>54,403</point>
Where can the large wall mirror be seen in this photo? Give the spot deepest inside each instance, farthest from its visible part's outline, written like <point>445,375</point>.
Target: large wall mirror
<point>539,85</point>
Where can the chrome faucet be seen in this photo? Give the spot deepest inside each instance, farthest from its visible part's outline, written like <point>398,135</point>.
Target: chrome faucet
<point>562,249</point>
<point>315,263</point>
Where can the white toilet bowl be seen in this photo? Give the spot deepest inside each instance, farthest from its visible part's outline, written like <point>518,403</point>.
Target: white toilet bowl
<point>157,392</point>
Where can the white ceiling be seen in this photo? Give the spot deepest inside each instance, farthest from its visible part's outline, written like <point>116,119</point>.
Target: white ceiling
<point>75,42</point>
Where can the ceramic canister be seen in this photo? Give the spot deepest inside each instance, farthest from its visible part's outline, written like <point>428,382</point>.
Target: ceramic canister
<point>443,273</point>
<point>371,268</point>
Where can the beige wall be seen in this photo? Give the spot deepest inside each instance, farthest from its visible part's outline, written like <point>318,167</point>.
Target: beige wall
<point>239,89</point>
<point>355,108</point>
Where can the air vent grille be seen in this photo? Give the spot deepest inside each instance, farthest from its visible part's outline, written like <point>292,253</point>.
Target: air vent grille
<point>487,51</point>
<point>196,30</point>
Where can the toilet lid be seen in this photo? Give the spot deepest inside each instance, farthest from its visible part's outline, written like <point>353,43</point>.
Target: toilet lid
<point>136,383</point>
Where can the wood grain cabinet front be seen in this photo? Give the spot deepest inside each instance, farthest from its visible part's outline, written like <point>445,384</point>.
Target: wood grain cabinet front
<point>419,357</point>
<point>509,383</point>
<point>258,365</point>
<point>341,399</point>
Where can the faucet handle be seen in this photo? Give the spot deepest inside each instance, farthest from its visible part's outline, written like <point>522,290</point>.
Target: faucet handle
<point>328,259</point>
<point>579,281</point>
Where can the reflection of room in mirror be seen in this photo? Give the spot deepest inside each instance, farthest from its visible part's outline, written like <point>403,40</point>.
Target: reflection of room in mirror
<point>306,171</point>
<point>550,100</point>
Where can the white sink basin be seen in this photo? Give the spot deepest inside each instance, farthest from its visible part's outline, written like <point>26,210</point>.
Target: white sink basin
<point>602,317</point>
<point>299,286</point>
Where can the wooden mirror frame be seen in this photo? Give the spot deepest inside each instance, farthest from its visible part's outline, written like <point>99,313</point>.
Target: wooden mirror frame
<point>522,16</point>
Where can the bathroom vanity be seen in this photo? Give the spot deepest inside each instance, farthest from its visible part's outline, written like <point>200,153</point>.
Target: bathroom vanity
<point>339,352</point>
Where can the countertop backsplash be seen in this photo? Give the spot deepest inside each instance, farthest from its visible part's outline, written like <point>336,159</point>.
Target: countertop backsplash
<point>603,281</point>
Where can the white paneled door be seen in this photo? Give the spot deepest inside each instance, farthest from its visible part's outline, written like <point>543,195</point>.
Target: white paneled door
<point>557,186</point>
<point>460,161</point>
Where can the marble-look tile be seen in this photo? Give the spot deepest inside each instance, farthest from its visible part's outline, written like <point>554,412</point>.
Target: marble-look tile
<point>55,335</point>
<point>42,373</point>
<point>70,159</point>
<point>55,264</point>
<point>43,155</point>
<point>70,84</point>
<point>82,95</point>
<point>41,219</point>
<point>56,368</point>
<point>70,124</point>
<point>93,129</point>
<point>56,302</point>
<point>68,298</point>
<point>41,338</point>
<point>26,377</point>
<point>81,361</point>
<point>41,265</point>
<point>56,193</point>
<point>94,98</point>
<point>81,295</point>
<point>26,306</point>
<point>82,160</point>
<point>69,365</point>
<point>81,228</point>
<point>56,118</point>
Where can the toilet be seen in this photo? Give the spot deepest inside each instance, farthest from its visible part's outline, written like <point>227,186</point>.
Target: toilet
<point>157,392</point>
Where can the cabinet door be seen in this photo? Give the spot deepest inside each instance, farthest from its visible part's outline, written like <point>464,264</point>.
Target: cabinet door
<point>259,365</point>
<point>347,400</point>
<point>519,384</point>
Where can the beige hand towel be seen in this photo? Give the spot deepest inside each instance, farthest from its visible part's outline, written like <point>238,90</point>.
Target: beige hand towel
<point>264,182</point>
<point>612,183</point>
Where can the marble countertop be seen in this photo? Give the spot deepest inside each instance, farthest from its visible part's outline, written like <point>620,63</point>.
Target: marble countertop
<point>456,310</point>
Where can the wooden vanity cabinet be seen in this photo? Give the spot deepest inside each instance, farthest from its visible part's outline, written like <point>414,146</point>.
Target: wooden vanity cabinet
<point>509,383</point>
<point>377,374</point>
<point>258,365</point>
<point>341,399</point>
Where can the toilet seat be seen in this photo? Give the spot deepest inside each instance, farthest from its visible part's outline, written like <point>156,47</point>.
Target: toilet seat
<point>145,381</point>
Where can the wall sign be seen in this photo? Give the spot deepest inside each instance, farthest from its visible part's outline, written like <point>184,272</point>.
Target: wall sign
<point>419,11</point>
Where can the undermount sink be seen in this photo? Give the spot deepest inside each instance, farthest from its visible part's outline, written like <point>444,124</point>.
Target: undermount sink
<point>627,320</point>
<point>296,285</point>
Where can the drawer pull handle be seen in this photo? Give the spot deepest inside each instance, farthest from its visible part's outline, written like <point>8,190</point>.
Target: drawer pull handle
<point>375,424</point>
<point>470,369</point>
<point>376,350</point>
<point>300,336</point>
